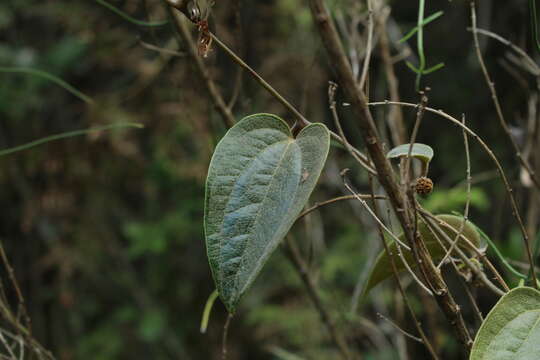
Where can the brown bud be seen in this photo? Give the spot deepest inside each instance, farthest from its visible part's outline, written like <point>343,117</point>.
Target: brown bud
<point>423,185</point>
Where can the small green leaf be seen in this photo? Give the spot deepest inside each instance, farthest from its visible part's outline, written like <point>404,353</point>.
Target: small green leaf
<point>420,151</point>
<point>382,269</point>
<point>426,21</point>
<point>511,331</point>
<point>433,69</point>
<point>259,179</point>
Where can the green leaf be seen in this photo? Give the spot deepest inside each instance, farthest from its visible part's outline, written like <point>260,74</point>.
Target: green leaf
<point>420,151</point>
<point>259,179</point>
<point>433,69</point>
<point>426,21</point>
<point>511,331</point>
<point>382,269</point>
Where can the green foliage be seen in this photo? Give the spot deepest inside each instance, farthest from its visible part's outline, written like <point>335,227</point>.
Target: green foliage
<point>259,179</point>
<point>511,331</point>
<point>447,200</point>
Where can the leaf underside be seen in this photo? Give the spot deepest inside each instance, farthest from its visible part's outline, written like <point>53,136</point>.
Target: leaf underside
<point>420,151</point>
<point>382,269</point>
<point>259,179</point>
<point>511,331</point>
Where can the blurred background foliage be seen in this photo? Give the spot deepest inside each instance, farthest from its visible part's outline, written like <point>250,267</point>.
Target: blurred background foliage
<point>105,231</point>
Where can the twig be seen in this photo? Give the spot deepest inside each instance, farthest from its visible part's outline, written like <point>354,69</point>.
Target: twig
<point>339,198</point>
<point>497,104</point>
<point>396,239</point>
<point>395,115</point>
<point>410,336</point>
<point>211,88</point>
<point>369,45</point>
<point>395,274</point>
<point>300,118</point>
<point>434,222</point>
<point>240,45</point>
<point>7,346</point>
<point>468,200</point>
<point>15,284</point>
<point>533,68</point>
<point>332,88</point>
<point>369,132</point>
<point>406,178</point>
<point>487,149</point>
<point>357,97</point>
<point>299,264</point>
<point>470,296</point>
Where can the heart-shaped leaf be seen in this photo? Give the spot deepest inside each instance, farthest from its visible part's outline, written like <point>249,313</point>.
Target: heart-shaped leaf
<point>382,269</point>
<point>259,179</point>
<point>511,331</point>
<point>420,151</point>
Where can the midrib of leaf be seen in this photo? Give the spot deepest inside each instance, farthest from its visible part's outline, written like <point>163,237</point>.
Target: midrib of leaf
<point>256,217</point>
<point>532,327</point>
<point>221,237</point>
<point>248,164</point>
<point>505,327</point>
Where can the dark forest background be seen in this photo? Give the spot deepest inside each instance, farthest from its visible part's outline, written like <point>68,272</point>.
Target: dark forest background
<point>105,231</point>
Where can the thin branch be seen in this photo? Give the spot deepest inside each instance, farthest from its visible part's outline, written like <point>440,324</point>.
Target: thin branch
<point>331,201</point>
<point>468,200</point>
<point>435,222</point>
<point>240,45</point>
<point>431,222</point>
<point>466,287</point>
<point>15,284</point>
<point>332,88</point>
<point>531,65</point>
<point>406,179</point>
<point>395,274</point>
<point>301,119</point>
<point>381,224</point>
<point>395,115</point>
<point>497,104</point>
<point>399,243</point>
<point>386,177</point>
<point>7,346</point>
<point>487,149</point>
<point>410,336</point>
<point>200,65</point>
<point>211,88</point>
<point>369,45</point>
